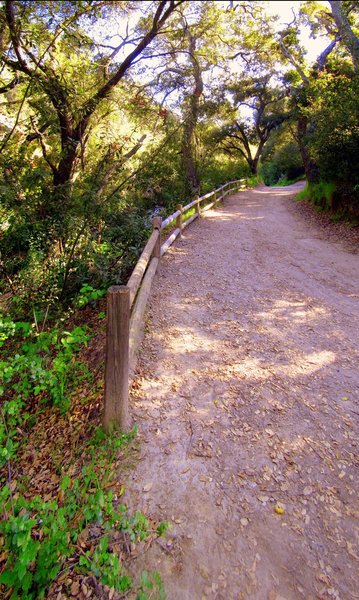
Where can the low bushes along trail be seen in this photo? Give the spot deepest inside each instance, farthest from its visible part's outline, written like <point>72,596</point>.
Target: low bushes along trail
<point>247,401</point>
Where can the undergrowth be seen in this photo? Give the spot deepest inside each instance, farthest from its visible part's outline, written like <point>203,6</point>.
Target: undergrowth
<point>320,194</point>
<point>253,181</point>
<point>77,527</point>
<point>41,538</point>
<point>42,366</point>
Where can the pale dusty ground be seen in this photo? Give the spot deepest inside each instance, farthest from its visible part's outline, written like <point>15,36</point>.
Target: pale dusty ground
<point>247,396</point>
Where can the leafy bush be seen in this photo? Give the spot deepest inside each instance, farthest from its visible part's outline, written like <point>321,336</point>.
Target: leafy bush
<point>219,169</point>
<point>281,160</point>
<point>335,139</point>
<point>320,194</point>
<point>43,367</point>
<point>88,294</point>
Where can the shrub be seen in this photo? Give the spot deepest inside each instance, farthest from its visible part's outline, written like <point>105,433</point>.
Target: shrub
<point>43,366</point>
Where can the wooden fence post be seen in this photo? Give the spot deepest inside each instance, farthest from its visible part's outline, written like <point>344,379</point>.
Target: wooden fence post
<point>157,224</point>
<point>116,415</point>
<point>215,199</point>
<point>179,219</point>
<point>198,208</point>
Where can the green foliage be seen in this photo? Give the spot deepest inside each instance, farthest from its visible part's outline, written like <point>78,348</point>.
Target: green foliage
<point>219,168</point>
<point>281,161</point>
<point>43,366</point>
<point>335,109</point>
<point>88,294</point>
<point>245,135</point>
<point>8,328</point>
<point>125,232</point>
<point>40,537</point>
<point>329,102</point>
<point>320,194</point>
<point>253,181</point>
<point>283,182</point>
<point>32,563</point>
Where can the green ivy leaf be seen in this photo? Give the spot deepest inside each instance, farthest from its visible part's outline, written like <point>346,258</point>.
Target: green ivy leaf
<point>65,483</point>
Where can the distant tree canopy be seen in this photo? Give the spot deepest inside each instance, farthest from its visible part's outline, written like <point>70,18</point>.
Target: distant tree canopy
<point>110,109</point>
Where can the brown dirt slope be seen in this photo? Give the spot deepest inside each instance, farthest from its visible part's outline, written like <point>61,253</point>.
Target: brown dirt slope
<point>247,401</point>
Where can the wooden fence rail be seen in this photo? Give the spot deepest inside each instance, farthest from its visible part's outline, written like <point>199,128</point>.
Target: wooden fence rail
<point>126,306</point>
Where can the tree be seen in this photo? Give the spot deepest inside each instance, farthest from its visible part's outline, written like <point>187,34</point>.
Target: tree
<point>324,101</point>
<point>298,81</point>
<point>191,52</point>
<point>248,137</point>
<point>189,142</point>
<point>71,109</point>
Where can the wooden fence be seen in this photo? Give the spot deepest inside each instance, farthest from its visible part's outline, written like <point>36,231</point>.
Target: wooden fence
<point>126,306</point>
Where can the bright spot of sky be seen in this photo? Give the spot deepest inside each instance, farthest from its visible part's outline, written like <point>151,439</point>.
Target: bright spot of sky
<point>285,11</point>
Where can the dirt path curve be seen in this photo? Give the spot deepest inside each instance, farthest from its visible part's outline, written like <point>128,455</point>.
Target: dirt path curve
<point>247,401</point>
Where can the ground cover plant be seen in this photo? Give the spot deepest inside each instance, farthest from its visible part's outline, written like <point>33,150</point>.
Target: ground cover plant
<point>64,520</point>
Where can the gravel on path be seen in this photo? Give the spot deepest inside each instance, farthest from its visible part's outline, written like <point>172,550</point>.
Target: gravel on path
<point>247,400</point>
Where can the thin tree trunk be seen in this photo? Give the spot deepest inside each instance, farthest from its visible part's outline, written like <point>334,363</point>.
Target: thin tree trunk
<point>189,142</point>
<point>310,167</point>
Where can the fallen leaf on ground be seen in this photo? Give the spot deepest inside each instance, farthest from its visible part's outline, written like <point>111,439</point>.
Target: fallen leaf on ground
<point>263,498</point>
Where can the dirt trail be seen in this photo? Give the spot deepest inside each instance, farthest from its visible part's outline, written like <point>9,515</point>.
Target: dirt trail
<point>247,402</point>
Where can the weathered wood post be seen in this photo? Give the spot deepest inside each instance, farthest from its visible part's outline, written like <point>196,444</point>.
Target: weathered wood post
<point>198,208</point>
<point>215,199</point>
<point>179,219</point>
<point>116,415</point>
<point>157,224</point>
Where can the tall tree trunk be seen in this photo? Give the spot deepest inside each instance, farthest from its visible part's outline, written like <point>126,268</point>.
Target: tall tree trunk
<point>310,167</point>
<point>189,152</point>
<point>189,142</point>
<point>345,31</point>
<point>253,165</point>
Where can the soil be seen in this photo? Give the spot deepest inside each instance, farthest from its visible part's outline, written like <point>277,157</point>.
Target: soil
<point>246,398</point>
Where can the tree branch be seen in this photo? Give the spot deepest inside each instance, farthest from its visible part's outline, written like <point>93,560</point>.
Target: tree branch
<point>322,58</point>
<point>293,62</point>
<point>161,15</point>
<point>347,34</point>
<point>10,19</point>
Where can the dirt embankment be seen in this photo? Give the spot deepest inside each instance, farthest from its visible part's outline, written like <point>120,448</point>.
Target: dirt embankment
<point>247,401</point>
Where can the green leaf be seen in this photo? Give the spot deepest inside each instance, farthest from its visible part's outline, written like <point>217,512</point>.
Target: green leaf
<point>27,581</point>
<point>100,498</point>
<point>8,577</point>
<point>65,483</point>
<point>103,545</point>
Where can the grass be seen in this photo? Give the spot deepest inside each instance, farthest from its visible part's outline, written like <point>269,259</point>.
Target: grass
<point>188,214</point>
<point>320,194</point>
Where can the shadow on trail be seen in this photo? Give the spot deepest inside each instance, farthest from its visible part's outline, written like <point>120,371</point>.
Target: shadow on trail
<point>248,397</point>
